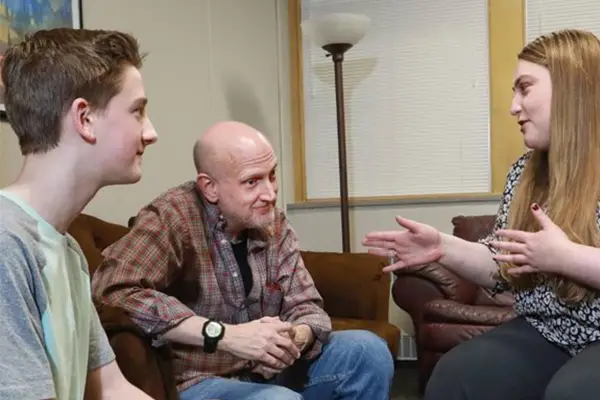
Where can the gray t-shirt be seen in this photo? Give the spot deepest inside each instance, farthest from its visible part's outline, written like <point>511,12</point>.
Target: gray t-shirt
<point>50,333</point>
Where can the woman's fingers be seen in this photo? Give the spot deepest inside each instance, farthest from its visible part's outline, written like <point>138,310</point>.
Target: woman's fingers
<point>382,244</point>
<point>379,252</point>
<point>521,270</point>
<point>386,236</point>
<point>517,259</point>
<point>510,247</point>
<point>409,224</point>
<point>395,266</point>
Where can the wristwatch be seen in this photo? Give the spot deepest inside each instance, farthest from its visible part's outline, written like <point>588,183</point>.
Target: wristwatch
<point>212,331</point>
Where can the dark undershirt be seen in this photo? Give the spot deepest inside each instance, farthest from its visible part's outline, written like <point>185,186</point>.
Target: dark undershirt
<point>241,256</point>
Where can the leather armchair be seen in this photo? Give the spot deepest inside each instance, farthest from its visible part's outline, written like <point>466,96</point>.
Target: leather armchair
<point>447,310</point>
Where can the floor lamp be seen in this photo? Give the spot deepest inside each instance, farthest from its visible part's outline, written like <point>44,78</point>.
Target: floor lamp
<point>336,34</point>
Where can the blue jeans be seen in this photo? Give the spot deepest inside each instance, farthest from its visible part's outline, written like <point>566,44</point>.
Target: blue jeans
<point>353,365</point>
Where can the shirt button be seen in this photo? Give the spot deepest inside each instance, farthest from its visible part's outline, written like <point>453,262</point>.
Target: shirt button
<point>235,274</point>
<point>223,241</point>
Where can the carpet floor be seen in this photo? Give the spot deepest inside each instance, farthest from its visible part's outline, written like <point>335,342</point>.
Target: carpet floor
<point>405,385</point>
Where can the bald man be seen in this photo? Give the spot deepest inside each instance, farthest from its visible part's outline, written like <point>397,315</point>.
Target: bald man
<point>214,268</point>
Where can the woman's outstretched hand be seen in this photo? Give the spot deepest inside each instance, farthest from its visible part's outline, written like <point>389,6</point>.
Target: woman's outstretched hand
<point>418,244</point>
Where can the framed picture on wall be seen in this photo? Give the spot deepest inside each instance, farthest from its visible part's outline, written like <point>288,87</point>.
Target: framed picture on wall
<point>21,17</point>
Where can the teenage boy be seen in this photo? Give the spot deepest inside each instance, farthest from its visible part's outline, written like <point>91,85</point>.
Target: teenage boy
<point>76,101</point>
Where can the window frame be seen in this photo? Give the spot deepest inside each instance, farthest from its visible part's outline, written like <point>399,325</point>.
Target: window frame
<point>506,24</point>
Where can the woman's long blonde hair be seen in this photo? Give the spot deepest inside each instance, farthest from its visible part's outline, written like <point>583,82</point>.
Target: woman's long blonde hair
<point>566,177</point>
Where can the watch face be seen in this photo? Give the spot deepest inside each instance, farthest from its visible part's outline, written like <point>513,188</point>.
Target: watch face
<point>213,329</point>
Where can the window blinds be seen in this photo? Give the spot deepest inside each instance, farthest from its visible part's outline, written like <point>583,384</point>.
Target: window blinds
<point>544,16</point>
<point>417,101</point>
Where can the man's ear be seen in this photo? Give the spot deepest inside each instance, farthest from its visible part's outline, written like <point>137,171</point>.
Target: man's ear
<point>208,187</point>
<point>83,118</point>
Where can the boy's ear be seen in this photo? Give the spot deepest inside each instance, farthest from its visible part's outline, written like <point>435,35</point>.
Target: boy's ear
<point>208,187</point>
<point>83,119</point>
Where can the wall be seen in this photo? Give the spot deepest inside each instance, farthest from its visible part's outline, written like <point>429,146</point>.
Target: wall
<point>219,59</point>
<point>208,60</point>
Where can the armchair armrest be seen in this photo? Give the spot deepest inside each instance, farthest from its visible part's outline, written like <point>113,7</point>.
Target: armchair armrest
<point>143,365</point>
<point>415,287</point>
<point>448,311</point>
<point>449,284</point>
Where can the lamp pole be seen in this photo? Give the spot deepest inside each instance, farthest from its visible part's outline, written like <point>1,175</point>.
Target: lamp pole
<point>336,34</point>
<point>336,51</point>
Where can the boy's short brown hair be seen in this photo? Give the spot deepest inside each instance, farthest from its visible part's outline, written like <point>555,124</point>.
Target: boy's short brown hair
<point>43,74</point>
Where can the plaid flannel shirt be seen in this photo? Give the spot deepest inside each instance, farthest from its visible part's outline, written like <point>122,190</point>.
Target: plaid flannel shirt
<point>176,262</point>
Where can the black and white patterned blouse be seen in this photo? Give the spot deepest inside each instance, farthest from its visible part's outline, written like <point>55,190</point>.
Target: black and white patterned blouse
<point>571,327</point>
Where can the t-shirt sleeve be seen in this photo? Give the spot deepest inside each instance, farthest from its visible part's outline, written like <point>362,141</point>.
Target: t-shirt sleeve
<point>101,352</point>
<point>26,371</point>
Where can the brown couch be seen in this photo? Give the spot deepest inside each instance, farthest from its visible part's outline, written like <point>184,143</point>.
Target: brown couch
<point>355,291</point>
<point>447,310</point>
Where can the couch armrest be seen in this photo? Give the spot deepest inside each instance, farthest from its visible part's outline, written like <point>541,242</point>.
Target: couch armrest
<point>143,365</point>
<point>448,311</point>
<point>449,284</point>
<point>353,285</point>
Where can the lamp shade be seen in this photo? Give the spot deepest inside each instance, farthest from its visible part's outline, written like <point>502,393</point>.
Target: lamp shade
<point>336,28</point>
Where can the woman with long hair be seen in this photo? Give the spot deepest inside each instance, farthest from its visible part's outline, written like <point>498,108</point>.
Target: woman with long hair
<point>545,244</point>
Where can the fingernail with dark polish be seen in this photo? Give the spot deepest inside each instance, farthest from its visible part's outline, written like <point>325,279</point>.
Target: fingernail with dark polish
<point>535,207</point>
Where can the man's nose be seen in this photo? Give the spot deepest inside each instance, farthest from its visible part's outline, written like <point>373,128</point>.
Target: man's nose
<point>270,192</point>
<point>149,135</point>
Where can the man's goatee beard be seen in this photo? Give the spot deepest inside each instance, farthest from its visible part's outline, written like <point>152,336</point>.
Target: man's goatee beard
<point>268,229</point>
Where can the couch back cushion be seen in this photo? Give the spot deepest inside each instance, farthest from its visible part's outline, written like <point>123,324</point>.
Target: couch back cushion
<point>93,236</point>
<point>351,284</point>
<point>474,227</point>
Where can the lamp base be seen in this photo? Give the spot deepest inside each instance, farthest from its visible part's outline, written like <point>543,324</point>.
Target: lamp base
<point>337,50</point>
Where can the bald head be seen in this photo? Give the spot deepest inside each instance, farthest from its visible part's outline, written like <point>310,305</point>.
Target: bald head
<point>237,172</point>
<point>224,143</point>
